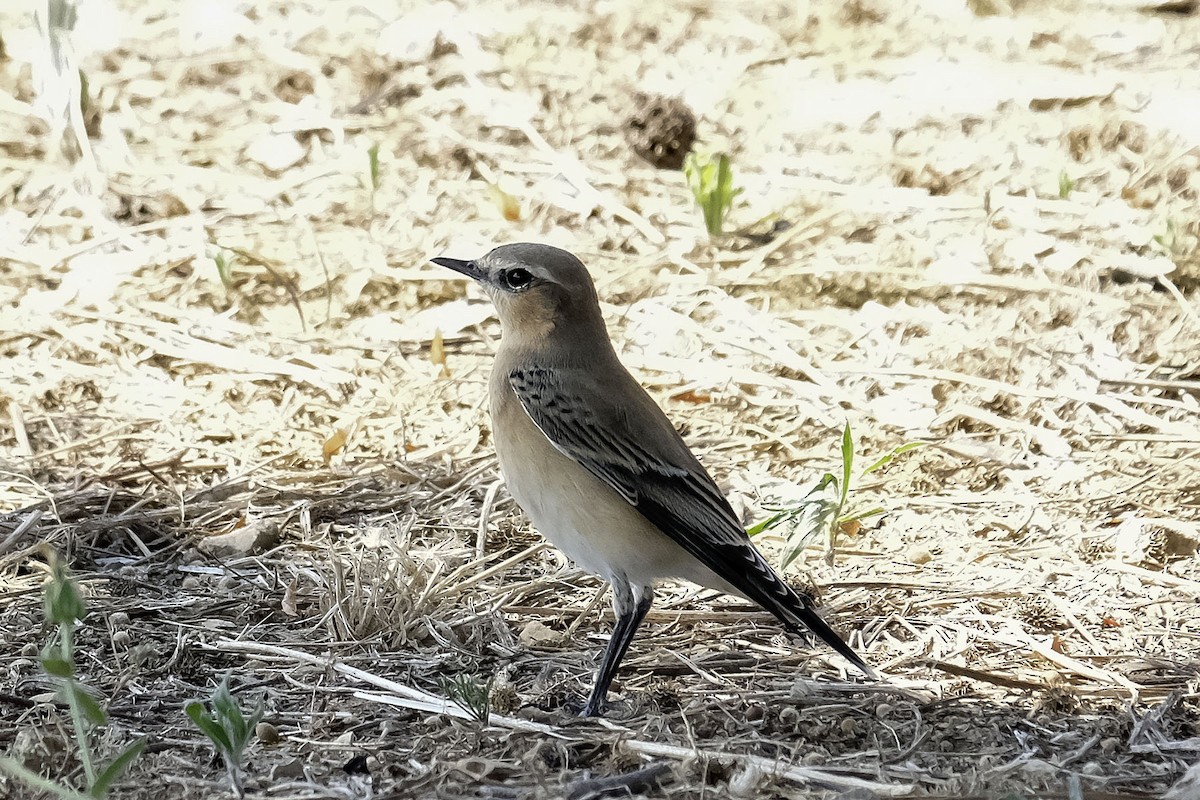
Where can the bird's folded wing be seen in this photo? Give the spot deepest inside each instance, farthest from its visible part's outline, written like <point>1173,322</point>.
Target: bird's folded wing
<point>638,454</point>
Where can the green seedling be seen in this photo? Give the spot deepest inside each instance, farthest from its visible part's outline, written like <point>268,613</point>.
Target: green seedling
<point>825,508</point>
<point>1065,185</point>
<point>472,696</point>
<point>224,269</point>
<point>64,608</point>
<point>1169,240</point>
<point>228,728</point>
<point>711,180</point>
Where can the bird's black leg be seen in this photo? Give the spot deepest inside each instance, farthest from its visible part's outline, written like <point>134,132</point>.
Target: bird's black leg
<point>630,613</point>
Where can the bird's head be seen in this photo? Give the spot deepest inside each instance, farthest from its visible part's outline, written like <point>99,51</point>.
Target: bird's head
<point>539,291</point>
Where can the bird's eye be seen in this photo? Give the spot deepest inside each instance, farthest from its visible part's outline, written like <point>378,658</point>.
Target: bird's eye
<point>517,279</point>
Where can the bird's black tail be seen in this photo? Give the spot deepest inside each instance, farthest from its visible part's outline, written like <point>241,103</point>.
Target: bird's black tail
<point>762,584</point>
<point>820,628</point>
<point>729,553</point>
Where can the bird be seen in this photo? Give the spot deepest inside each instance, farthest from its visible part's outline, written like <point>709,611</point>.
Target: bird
<point>599,468</point>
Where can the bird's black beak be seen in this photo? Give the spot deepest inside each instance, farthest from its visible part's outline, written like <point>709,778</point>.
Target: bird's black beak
<point>467,268</point>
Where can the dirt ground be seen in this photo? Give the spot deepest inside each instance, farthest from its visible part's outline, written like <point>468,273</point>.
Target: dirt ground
<point>239,401</point>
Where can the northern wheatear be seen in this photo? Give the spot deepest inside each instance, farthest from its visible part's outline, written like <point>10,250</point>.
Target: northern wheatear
<point>596,464</point>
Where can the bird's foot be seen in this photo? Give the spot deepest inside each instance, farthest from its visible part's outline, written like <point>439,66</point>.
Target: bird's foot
<point>592,708</point>
<point>608,709</point>
<point>578,707</point>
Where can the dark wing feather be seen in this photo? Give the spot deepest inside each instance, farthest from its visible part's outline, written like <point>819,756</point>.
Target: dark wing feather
<point>639,454</point>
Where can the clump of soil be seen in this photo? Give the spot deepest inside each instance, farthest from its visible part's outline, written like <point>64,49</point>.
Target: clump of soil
<point>662,130</point>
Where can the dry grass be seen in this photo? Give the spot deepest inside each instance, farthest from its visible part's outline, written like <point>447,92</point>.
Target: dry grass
<point>1031,594</point>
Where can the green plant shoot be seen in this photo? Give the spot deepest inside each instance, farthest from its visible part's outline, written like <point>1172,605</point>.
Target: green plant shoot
<point>64,608</point>
<point>1169,239</point>
<point>472,696</point>
<point>711,180</point>
<point>1065,185</point>
<point>224,269</point>
<point>228,728</point>
<point>825,508</point>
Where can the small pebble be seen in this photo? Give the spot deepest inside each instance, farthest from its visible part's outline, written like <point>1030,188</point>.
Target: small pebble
<point>535,714</point>
<point>288,770</point>
<point>919,555</point>
<point>267,733</point>
<point>142,653</point>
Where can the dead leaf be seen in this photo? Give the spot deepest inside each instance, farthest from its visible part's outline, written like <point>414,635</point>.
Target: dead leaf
<point>537,634</point>
<point>334,444</point>
<point>850,527</point>
<point>510,207</point>
<point>437,353</point>
<point>288,604</point>
<point>255,536</point>
<point>690,396</point>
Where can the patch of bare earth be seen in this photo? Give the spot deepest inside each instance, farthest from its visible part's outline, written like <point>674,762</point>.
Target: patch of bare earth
<point>237,399</point>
